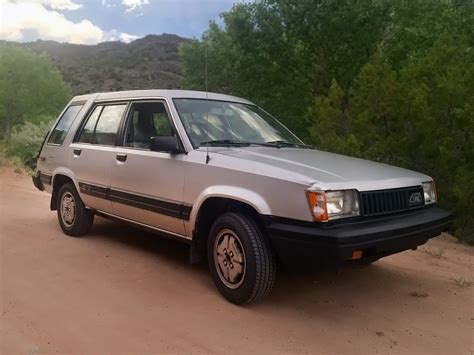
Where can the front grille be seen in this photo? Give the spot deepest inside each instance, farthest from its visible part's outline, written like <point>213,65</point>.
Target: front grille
<point>374,203</point>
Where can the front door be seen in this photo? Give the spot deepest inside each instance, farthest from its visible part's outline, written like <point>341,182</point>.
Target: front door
<point>92,155</point>
<point>147,187</point>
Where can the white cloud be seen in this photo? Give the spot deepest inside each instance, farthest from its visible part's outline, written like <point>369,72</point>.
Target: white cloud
<point>125,37</point>
<point>134,4</point>
<point>107,4</point>
<point>31,19</point>
<point>115,35</point>
<point>60,4</point>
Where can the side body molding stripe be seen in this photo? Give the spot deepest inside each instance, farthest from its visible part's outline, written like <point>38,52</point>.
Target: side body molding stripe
<point>96,191</point>
<point>172,209</point>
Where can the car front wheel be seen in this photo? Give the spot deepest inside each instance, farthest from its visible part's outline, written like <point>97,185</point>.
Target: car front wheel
<point>241,261</point>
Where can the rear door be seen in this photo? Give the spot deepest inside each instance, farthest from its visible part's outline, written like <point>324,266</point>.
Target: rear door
<point>93,151</point>
<point>146,186</point>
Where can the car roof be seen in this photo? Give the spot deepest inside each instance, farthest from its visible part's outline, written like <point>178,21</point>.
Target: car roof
<point>168,94</point>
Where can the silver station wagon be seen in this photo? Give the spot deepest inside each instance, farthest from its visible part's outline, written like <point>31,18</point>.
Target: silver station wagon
<point>223,175</point>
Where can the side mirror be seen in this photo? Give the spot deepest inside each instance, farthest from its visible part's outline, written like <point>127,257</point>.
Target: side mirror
<point>165,144</point>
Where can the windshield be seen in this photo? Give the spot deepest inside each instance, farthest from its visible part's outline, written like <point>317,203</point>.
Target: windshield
<point>223,122</point>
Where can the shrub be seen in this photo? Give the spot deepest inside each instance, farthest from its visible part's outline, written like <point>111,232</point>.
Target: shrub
<point>418,117</point>
<point>26,140</point>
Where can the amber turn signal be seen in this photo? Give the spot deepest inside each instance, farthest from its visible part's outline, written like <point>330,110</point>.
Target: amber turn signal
<point>317,204</point>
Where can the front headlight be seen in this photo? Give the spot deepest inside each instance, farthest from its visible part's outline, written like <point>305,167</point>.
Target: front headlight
<point>327,205</point>
<point>429,192</point>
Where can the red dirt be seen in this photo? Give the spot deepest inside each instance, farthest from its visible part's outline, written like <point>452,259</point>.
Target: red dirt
<point>123,291</point>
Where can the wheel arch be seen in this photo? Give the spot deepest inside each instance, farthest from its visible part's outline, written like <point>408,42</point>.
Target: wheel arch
<point>242,195</point>
<point>60,177</point>
<point>215,202</point>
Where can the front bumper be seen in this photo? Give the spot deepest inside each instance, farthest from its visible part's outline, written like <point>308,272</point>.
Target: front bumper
<point>303,242</point>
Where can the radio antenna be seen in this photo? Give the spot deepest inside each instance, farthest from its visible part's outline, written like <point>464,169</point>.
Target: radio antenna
<point>207,101</point>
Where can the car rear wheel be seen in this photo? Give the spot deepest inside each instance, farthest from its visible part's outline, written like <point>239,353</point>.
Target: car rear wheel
<point>241,261</point>
<point>74,218</point>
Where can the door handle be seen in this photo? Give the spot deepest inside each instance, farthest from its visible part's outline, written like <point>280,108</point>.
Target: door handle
<point>122,157</point>
<point>77,151</point>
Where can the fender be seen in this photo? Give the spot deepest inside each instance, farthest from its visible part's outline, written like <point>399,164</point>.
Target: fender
<point>66,172</point>
<point>231,192</point>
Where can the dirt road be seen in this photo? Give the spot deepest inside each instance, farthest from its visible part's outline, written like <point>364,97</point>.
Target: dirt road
<point>123,291</point>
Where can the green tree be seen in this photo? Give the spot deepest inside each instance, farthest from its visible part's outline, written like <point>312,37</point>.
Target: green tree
<point>416,25</point>
<point>280,54</point>
<point>441,86</point>
<point>30,88</point>
<point>390,81</point>
<point>419,117</point>
<point>331,125</point>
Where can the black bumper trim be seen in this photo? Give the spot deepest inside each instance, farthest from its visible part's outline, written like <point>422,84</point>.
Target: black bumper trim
<point>376,237</point>
<point>41,179</point>
<point>37,182</point>
<point>46,178</point>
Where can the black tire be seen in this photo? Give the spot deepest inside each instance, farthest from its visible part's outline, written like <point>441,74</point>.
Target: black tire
<point>82,217</point>
<point>259,259</point>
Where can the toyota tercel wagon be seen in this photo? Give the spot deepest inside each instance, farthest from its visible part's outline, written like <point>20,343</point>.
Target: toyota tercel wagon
<point>223,175</point>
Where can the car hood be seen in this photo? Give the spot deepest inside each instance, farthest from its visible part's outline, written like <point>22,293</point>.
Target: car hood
<point>329,170</point>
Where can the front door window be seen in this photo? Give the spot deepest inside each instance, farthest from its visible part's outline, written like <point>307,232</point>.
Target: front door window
<point>147,120</point>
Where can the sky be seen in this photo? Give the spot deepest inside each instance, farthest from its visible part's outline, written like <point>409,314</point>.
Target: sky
<point>95,21</point>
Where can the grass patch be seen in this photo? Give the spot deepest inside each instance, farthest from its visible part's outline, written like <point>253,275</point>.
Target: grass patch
<point>4,161</point>
<point>18,166</point>
<point>12,161</point>
<point>435,253</point>
<point>462,282</point>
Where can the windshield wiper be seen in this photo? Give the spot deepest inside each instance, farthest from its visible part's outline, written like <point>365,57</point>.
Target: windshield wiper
<point>239,143</point>
<point>281,144</point>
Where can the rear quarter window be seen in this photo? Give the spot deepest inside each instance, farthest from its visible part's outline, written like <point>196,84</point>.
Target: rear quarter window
<point>61,129</point>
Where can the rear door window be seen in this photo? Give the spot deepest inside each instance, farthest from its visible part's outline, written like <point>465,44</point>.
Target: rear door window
<point>102,125</point>
<point>64,124</point>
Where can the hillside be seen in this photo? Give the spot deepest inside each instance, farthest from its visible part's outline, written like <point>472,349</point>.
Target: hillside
<point>149,62</point>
